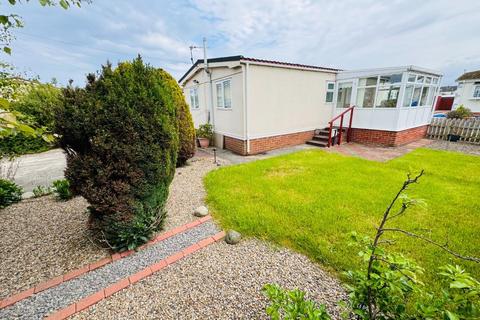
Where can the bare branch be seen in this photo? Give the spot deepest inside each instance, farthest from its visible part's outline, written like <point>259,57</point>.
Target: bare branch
<point>441,246</point>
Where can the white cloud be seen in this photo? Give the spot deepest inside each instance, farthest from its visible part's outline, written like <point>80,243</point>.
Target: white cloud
<point>160,41</point>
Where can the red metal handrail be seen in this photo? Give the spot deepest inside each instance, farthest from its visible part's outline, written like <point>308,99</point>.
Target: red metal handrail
<point>340,116</point>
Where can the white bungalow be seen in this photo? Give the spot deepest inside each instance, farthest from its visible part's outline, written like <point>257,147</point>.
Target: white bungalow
<point>468,91</point>
<point>259,105</point>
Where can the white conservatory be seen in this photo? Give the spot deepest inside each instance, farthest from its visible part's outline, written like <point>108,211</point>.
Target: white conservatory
<point>389,99</point>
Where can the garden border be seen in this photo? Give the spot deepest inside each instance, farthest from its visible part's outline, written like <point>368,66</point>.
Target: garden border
<point>10,300</point>
<point>126,282</point>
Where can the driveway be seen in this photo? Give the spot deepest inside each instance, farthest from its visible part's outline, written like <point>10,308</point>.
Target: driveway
<point>40,169</point>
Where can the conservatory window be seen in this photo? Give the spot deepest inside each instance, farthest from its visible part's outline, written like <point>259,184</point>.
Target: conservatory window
<point>344,94</point>
<point>407,97</point>
<point>423,98</point>
<point>367,88</point>
<point>387,96</point>
<point>420,79</point>
<point>416,96</point>
<point>411,77</point>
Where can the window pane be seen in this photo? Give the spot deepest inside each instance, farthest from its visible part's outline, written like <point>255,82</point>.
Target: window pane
<point>431,96</point>
<point>330,86</point>
<point>476,92</point>
<point>219,95</point>
<point>329,97</point>
<point>435,80</point>
<point>423,99</point>
<point>416,96</point>
<point>420,79</point>
<point>388,79</point>
<point>365,97</point>
<point>227,94</point>
<point>370,81</point>
<point>197,104</point>
<point>411,77</point>
<point>428,80</point>
<point>387,97</point>
<point>344,95</point>
<point>407,97</point>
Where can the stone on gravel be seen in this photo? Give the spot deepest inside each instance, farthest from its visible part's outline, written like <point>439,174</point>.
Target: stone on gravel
<point>201,211</point>
<point>233,237</point>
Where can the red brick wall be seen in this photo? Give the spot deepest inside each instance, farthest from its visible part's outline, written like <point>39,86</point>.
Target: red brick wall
<point>266,144</point>
<point>236,145</point>
<point>388,138</point>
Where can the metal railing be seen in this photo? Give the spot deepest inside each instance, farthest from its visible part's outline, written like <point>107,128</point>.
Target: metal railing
<point>340,116</point>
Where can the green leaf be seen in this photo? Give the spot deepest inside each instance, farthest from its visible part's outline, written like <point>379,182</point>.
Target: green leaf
<point>452,316</point>
<point>7,50</point>
<point>64,4</point>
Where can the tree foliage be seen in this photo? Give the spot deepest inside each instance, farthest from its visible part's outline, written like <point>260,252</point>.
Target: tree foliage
<point>186,130</point>
<point>121,139</point>
<point>12,21</point>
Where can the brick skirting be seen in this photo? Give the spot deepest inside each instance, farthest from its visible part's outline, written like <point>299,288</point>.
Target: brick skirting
<point>388,138</point>
<point>260,145</point>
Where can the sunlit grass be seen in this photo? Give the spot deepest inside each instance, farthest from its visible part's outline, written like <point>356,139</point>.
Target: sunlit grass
<point>310,201</point>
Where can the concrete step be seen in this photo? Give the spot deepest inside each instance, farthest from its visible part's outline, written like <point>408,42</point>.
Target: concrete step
<point>317,143</point>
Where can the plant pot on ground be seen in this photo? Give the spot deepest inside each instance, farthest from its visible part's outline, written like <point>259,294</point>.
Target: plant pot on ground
<point>204,135</point>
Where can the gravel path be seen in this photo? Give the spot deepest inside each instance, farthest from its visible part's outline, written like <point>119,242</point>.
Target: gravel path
<point>187,191</point>
<point>41,239</point>
<point>61,296</point>
<point>456,146</point>
<point>219,282</point>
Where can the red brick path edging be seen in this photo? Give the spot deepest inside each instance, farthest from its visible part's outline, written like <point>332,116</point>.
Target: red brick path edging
<point>124,283</point>
<point>92,266</point>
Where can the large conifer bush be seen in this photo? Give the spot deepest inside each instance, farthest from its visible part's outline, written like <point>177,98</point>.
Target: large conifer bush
<point>120,135</point>
<point>186,130</point>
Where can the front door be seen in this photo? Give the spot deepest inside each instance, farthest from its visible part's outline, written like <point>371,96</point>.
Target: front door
<point>344,94</point>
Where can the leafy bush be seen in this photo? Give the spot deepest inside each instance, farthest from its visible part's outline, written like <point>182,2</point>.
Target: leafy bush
<point>460,113</point>
<point>23,144</point>
<point>62,189</point>
<point>205,131</point>
<point>39,104</point>
<point>9,193</point>
<point>40,191</point>
<point>186,130</point>
<point>120,135</point>
<point>292,305</point>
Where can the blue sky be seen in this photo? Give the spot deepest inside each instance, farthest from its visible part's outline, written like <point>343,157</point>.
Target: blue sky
<point>441,35</point>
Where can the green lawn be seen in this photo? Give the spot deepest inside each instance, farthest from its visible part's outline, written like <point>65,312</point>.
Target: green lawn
<point>310,201</point>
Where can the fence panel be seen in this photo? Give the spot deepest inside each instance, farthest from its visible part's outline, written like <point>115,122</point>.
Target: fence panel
<point>468,130</point>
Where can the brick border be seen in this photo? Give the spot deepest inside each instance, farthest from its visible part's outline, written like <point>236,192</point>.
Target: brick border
<point>388,138</point>
<point>8,301</point>
<point>126,282</point>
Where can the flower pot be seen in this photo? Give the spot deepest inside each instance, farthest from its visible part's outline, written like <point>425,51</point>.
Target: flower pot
<point>203,142</point>
<point>453,137</point>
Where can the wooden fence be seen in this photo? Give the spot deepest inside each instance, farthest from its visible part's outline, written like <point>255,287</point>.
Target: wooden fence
<point>467,129</point>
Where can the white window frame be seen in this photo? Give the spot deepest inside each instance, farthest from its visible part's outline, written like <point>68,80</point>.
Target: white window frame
<point>332,91</point>
<point>194,101</point>
<point>222,91</point>
<point>475,86</point>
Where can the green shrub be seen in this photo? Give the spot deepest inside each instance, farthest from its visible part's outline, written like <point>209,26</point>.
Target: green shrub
<point>186,130</point>
<point>39,104</point>
<point>285,304</point>
<point>62,189</point>
<point>460,113</point>
<point>9,193</point>
<point>40,191</point>
<point>22,144</point>
<point>205,131</point>
<point>120,135</point>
